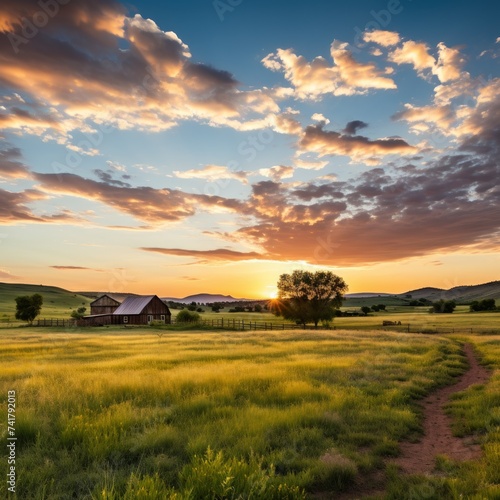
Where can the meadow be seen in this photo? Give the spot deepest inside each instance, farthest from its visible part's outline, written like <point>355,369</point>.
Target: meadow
<point>114,413</point>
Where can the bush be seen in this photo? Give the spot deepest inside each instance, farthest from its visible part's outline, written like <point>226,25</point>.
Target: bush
<point>483,305</point>
<point>79,313</point>
<point>186,316</point>
<point>443,306</point>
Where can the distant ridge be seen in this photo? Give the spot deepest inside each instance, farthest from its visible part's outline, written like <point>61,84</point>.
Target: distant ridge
<point>205,298</point>
<point>461,294</point>
<point>367,295</point>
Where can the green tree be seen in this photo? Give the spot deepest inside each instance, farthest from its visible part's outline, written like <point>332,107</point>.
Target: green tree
<point>444,306</point>
<point>483,305</point>
<point>308,297</point>
<point>365,310</point>
<point>79,313</point>
<point>28,307</point>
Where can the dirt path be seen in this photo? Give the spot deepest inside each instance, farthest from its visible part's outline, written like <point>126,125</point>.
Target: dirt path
<point>438,438</point>
<point>419,458</point>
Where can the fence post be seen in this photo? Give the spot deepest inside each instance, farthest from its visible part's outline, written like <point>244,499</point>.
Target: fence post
<point>408,328</point>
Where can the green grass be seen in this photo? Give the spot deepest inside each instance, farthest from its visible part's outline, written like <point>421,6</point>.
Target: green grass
<point>474,412</point>
<point>57,302</point>
<point>114,413</point>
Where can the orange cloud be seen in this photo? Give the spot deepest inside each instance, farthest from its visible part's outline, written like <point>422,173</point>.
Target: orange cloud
<point>219,254</point>
<point>381,37</point>
<point>359,148</point>
<point>311,80</point>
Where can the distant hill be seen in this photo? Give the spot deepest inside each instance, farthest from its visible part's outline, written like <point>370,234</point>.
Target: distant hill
<point>461,294</point>
<point>205,298</point>
<point>57,302</point>
<point>367,295</point>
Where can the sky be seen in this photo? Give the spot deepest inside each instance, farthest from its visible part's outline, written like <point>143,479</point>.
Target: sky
<point>209,146</point>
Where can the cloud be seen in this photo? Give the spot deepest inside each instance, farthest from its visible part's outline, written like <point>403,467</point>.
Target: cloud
<point>440,116</point>
<point>447,67</point>
<point>318,117</point>
<point>381,37</point>
<point>212,173</point>
<point>359,148</point>
<point>10,164</point>
<point>312,80</point>
<point>380,217</point>
<point>93,65</point>
<point>154,206</point>
<point>75,268</point>
<point>414,53</point>
<point>107,177</point>
<point>310,164</point>
<point>14,209</point>
<point>5,275</point>
<point>219,254</point>
<point>352,127</point>
<point>277,172</point>
<point>358,75</point>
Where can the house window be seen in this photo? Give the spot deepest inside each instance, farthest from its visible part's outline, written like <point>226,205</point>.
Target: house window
<point>125,319</point>
<point>150,318</point>
<point>162,317</point>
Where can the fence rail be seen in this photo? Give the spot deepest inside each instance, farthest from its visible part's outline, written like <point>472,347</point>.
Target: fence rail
<point>240,324</point>
<point>55,322</point>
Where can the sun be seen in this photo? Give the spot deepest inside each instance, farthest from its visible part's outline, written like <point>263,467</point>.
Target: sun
<point>272,292</point>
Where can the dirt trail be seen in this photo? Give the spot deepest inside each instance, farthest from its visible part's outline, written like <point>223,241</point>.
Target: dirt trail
<point>438,438</point>
<point>419,458</point>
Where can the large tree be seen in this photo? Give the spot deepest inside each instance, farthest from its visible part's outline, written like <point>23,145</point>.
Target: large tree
<point>28,307</point>
<point>308,297</point>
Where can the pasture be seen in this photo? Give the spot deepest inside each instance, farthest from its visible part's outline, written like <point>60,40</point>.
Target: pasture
<point>114,413</point>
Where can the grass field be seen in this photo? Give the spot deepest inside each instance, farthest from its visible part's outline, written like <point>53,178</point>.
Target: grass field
<point>57,302</point>
<point>124,414</point>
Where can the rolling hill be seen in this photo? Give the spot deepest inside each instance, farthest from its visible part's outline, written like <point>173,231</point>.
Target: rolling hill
<point>461,294</point>
<point>205,298</point>
<point>57,302</point>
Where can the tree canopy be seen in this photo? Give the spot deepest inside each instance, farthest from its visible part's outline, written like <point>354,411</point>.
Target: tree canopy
<point>443,306</point>
<point>308,297</point>
<point>28,307</point>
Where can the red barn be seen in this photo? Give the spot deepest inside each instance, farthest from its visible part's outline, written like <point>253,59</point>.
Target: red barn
<point>134,310</point>
<point>103,305</point>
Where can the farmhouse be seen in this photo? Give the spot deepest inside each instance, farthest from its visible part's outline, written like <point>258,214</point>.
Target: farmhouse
<point>134,310</point>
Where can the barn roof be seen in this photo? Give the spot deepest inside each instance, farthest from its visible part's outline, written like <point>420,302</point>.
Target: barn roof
<point>102,296</point>
<point>134,305</point>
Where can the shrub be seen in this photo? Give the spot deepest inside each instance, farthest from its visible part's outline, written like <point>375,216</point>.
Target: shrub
<point>443,306</point>
<point>186,316</point>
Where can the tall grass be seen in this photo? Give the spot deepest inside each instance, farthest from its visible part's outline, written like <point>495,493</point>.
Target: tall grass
<point>213,415</point>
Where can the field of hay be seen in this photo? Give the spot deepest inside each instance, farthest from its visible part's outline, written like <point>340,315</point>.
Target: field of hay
<point>113,413</point>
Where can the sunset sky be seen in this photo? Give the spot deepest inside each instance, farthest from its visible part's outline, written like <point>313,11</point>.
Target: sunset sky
<point>210,146</point>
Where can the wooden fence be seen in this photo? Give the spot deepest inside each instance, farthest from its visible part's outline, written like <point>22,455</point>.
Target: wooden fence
<point>240,324</point>
<point>54,322</point>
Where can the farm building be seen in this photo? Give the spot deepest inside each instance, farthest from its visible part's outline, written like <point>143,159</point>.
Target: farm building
<point>134,310</point>
<point>103,305</point>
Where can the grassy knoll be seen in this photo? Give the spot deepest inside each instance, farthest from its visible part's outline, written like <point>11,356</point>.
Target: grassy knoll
<point>57,302</point>
<point>114,413</point>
